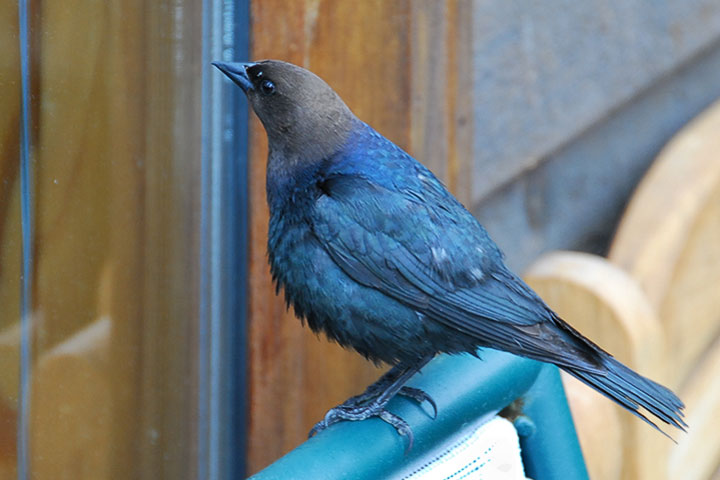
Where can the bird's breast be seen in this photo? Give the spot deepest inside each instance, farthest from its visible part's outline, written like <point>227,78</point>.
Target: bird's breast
<point>323,295</point>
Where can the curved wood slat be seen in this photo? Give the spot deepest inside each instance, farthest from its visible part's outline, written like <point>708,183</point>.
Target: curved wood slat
<point>698,453</point>
<point>669,240</point>
<point>606,305</point>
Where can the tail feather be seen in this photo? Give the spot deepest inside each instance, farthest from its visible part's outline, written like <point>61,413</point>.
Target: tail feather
<point>633,391</point>
<point>620,383</point>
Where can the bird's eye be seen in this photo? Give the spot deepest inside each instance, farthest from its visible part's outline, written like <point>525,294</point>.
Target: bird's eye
<point>267,87</point>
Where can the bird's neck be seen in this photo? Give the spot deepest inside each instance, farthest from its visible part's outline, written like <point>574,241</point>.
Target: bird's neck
<point>293,171</point>
<point>288,180</point>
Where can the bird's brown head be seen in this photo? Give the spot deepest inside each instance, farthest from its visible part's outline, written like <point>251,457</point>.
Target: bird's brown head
<point>300,112</point>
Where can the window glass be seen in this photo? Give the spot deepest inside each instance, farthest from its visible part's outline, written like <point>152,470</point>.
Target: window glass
<point>122,194</point>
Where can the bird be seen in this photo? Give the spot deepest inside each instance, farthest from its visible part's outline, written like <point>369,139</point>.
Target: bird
<point>371,249</point>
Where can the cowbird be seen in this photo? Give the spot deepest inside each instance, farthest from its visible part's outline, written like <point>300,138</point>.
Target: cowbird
<point>371,249</point>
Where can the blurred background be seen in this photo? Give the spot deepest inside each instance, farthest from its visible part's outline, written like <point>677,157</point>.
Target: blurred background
<point>140,335</point>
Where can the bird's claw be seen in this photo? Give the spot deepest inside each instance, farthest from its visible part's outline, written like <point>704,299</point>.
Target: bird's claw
<point>419,396</point>
<point>400,425</point>
<point>346,411</point>
<point>317,428</point>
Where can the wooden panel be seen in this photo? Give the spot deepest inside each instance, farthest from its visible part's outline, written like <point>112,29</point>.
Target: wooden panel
<point>574,198</point>
<point>668,239</point>
<point>375,54</point>
<point>441,120</point>
<point>545,72</point>
<point>294,377</point>
<point>605,304</point>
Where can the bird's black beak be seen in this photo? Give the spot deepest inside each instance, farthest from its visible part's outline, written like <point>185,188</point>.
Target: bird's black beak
<point>237,72</point>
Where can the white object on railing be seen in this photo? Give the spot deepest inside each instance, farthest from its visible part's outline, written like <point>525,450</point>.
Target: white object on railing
<point>490,452</point>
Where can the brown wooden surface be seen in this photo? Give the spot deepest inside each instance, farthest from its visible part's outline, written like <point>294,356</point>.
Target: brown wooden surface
<point>399,66</point>
<point>608,306</point>
<point>441,117</point>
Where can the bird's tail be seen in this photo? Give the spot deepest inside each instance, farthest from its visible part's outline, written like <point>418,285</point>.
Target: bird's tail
<point>633,391</point>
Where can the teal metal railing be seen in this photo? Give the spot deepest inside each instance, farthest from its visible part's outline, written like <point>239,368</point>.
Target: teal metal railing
<point>466,390</point>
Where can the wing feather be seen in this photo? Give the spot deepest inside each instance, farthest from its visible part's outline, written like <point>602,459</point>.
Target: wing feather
<point>388,240</point>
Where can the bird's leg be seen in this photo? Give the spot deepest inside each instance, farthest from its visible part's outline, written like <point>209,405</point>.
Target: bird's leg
<point>373,391</point>
<point>371,403</point>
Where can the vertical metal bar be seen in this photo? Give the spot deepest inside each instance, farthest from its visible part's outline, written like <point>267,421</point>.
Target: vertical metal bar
<point>27,221</point>
<point>553,449</point>
<point>235,157</point>
<point>223,249</point>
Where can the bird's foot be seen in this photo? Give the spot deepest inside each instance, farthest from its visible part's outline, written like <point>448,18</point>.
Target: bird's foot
<point>354,413</point>
<point>372,402</point>
<point>361,407</point>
